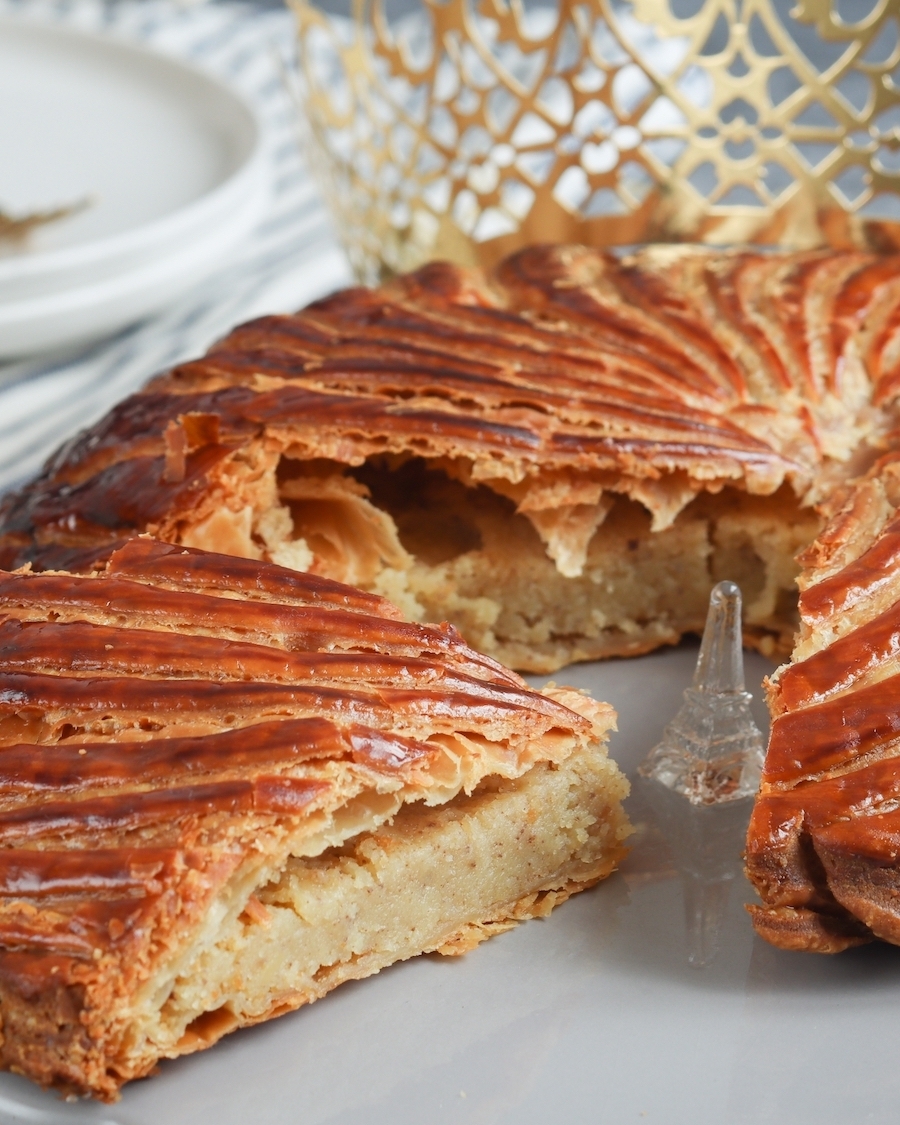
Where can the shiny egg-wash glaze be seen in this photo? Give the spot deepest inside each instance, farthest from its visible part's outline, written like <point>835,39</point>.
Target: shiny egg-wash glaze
<point>574,406</point>
<point>824,839</point>
<point>660,376</point>
<point>178,731</point>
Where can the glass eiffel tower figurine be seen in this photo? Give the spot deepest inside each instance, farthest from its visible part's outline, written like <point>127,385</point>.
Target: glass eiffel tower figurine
<point>701,779</point>
<point>712,750</point>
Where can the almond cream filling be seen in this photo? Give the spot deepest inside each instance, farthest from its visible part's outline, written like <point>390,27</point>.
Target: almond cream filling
<point>537,587</point>
<point>435,878</point>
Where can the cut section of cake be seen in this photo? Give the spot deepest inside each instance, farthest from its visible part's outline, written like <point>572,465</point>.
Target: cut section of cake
<point>824,843</point>
<point>226,787</point>
<point>562,458</point>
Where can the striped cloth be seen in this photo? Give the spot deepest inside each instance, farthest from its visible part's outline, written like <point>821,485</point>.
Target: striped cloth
<point>291,258</point>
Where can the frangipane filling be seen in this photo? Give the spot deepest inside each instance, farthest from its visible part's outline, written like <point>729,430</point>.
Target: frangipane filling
<point>536,589</point>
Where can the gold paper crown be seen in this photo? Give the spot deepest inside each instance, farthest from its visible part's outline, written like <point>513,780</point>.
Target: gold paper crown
<point>471,127</point>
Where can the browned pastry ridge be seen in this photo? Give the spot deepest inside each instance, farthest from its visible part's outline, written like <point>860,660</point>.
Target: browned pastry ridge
<point>824,839</point>
<point>226,787</point>
<point>561,458</point>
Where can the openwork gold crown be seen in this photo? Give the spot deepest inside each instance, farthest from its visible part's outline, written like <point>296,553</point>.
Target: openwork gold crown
<point>467,128</point>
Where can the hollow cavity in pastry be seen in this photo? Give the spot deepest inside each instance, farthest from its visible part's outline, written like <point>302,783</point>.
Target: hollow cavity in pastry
<point>562,457</point>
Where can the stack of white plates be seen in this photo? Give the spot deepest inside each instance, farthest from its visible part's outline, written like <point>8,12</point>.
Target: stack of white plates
<point>167,161</point>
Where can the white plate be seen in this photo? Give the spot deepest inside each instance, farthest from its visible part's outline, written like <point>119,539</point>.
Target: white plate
<point>592,1015</point>
<point>169,158</point>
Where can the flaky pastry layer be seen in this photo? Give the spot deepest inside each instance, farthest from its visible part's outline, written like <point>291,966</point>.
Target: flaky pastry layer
<point>824,839</point>
<point>455,440</point>
<point>202,756</point>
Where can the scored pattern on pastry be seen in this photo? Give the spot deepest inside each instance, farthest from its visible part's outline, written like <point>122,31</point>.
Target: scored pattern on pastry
<point>824,840</point>
<point>691,367</point>
<point>173,730</point>
<point>571,410</point>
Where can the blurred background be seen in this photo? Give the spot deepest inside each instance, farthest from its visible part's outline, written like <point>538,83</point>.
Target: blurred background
<point>201,207</point>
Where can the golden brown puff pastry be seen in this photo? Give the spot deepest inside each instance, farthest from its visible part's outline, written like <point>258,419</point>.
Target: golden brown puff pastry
<point>226,787</point>
<point>560,458</point>
<point>824,839</point>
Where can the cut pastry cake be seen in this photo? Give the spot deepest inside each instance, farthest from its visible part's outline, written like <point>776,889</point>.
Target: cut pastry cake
<point>561,458</point>
<point>823,848</point>
<point>227,787</point>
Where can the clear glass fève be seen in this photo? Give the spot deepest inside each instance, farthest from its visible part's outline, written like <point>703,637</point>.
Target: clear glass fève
<point>701,779</point>
<point>712,751</point>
